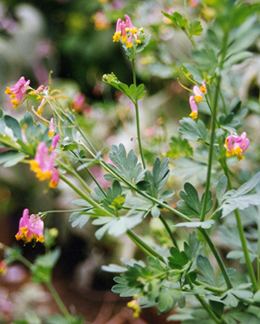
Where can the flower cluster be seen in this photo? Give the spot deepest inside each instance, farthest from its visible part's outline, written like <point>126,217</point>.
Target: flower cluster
<point>18,91</point>
<point>126,33</point>
<point>236,145</point>
<point>197,97</point>
<point>30,228</point>
<point>43,165</point>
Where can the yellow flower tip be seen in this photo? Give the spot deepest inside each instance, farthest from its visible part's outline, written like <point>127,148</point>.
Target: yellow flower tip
<point>237,151</point>
<point>53,184</point>
<point>133,30</point>
<point>40,175</point>
<point>138,41</point>
<point>198,99</point>
<point>129,44</point>
<point>8,91</point>
<point>51,133</point>
<point>40,110</point>
<point>194,115</point>
<point>116,37</point>
<point>133,304</point>
<point>22,235</point>
<point>34,165</point>
<point>39,238</point>
<point>203,89</point>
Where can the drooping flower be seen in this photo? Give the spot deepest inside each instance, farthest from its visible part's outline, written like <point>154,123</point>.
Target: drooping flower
<point>127,33</point>
<point>193,107</point>
<point>31,228</point>
<point>133,304</point>
<point>100,21</point>
<point>51,131</point>
<point>3,267</point>
<point>236,145</point>
<point>55,142</point>
<point>79,102</point>
<point>197,97</point>
<point>43,165</point>
<point>18,91</point>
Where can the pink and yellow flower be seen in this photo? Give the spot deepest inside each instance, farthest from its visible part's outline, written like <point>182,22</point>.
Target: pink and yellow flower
<point>43,165</point>
<point>127,33</point>
<point>197,97</point>
<point>31,228</point>
<point>51,131</point>
<point>236,145</point>
<point>17,92</point>
<point>79,102</point>
<point>3,267</point>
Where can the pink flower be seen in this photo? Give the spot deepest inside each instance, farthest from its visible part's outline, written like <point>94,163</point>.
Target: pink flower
<point>43,164</point>
<point>236,145</point>
<point>3,267</point>
<point>193,107</point>
<point>51,131</point>
<point>127,33</point>
<point>18,91</point>
<point>79,102</point>
<point>197,97</point>
<point>55,141</point>
<point>30,228</point>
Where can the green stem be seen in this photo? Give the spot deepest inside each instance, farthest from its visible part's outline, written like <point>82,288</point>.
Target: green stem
<point>241,233</point>
<point>142,193</point>
<point>26,262</point>
<point>58,300</point>
<point>217,257</point>
<point>245,250</point>
<point>74,173</point>
<point>205,304</point>
<point>137,117</point>
<point>208,309</point>
<point>213,127</point>
<point>143,246</point>
<point>168,229</point>
<point>84,196</point>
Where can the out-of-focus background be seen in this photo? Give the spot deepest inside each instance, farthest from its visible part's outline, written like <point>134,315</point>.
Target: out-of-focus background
<point>71,42</point>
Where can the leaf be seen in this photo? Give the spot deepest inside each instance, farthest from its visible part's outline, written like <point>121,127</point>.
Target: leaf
<point>13,124</point>
<point>195,28</point>
<point>166,300</point>
<point>190,204</point>
<point>43,266</point>
<point>177,259</point>
<point>205,269</point>
<point>236,58</point>
<point>178,20</point>
<point>126,164</point>
<point>206,224</point>
<point>155,180</point>
<point>221,188</point>
<point>11,158</point>
<point>192,130</point>
<point>113,268</point>
<point>117,226</point>
<point>241,198</point>
<point>79,219</point>
<point>133,92</point>
<point>179,148</point>
<point>114,198</point>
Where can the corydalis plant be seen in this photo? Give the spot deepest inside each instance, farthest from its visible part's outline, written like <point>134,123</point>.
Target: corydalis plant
<point>177,271</point>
